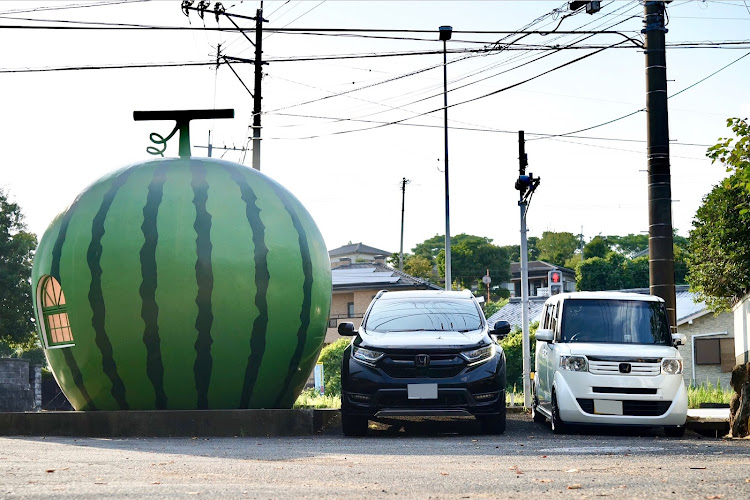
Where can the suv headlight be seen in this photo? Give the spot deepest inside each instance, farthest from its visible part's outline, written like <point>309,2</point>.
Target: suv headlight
<point>480,355</point>
<point>366,356</point>
<point>574,363</point>
<point>671,366</point>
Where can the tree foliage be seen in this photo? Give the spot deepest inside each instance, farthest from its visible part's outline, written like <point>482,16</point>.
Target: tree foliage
<point>734,154</point>
<point>514,251</point>
<point>557,248</point>
<point>471,256</point>
<point>512,344</point>
<point>597,247</point>
<point>16,253</point>
<point>719,250</point>
<point>418,266</point>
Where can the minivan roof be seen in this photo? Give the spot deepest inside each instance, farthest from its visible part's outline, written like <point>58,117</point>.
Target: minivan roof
<point>606,296</point>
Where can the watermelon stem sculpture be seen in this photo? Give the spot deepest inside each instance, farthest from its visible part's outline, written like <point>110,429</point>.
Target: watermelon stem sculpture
<point>183,118</point>
<point>182,283</point>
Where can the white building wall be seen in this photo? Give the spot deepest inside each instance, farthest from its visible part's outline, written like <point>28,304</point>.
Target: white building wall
<point>742,330</point>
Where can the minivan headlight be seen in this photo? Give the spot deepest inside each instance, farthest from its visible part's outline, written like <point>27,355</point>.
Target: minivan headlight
<point>366,356</point>
<point>671,366</point>
<point>480,355</point>
<point>574,363</point>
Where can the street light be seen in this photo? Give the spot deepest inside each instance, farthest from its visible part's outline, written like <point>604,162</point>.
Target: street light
<point>445,35</point>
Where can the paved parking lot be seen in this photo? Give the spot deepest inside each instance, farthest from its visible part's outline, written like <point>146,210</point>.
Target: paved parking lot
<point>438,460</point>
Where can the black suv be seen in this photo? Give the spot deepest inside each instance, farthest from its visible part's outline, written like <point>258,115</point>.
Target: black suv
<point>423,353</point>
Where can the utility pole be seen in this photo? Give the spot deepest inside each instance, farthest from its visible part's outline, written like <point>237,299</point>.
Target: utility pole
<point>257,90</point>
<point>526,184</point>
<point>404,182</point>
<point>660,244</point>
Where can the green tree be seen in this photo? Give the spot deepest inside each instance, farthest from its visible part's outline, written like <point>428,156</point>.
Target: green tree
<point>597,247</point>
<point>418,266</point>
<point>719,254</point>
<point>430,248</point>
<point>628,245</point>
<point>514,251</point>
<point>557,248</point>
<point>735,157</point>
<point>512,344</point>
<point>471,256</point>
<point>491,308</point>
<point>16,253</point>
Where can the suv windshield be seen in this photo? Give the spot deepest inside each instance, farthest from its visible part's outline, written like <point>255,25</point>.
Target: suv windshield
<point>615,321</point>
<point>423,314</point>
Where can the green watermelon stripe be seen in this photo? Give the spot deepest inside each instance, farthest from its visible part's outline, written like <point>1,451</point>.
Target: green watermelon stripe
<point>205,279</point>
<point>304,315</point>
<point>262,277</point>
<point>55,273</point>
<point>147,290</point>
<point>96,295</point>
<point>78,378</point>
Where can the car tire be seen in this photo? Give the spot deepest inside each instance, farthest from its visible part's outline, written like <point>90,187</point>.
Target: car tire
<point>494,424</point>
<point>558,426</point>
<point>674,432</point>
<point>353,425</point>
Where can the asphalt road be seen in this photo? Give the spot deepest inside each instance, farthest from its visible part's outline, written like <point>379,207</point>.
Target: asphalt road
<point>437,460</point>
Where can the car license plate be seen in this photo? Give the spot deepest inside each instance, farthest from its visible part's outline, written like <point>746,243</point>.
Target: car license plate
<point>422,391</point>
<point>607,407</point>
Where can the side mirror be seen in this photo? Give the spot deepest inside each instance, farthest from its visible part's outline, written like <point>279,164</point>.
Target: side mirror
<point>679,339</point>
<point>500,329</point>
<point>544,335</point>
<point>347,330</point>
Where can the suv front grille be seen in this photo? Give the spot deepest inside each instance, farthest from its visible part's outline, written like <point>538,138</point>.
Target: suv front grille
<point>404,366</point>
<point>400,400</point>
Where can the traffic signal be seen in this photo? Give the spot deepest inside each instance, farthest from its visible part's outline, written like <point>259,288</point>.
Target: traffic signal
<point>555,282</point>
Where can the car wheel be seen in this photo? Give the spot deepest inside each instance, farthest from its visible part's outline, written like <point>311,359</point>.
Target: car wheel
<point>674,432</point>
<point>558,426</point>
<point>353,425</point>
<point>494,424</point>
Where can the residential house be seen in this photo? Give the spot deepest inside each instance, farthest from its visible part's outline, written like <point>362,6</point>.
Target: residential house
<point>356,252</point>
<point>538,272</point>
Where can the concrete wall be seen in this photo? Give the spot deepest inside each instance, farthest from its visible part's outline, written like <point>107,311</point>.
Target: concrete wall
<point>20,385</point>
<point>708,323</point>
<point>742,331</point>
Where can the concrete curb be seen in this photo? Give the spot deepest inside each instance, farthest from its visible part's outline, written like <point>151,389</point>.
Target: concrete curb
<point>170,423</point>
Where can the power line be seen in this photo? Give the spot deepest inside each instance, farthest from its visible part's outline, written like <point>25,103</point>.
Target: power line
<point>113,66</point>
<point>105,3</point>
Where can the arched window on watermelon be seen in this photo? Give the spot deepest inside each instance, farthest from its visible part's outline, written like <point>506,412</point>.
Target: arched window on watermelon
<point>56,324</point>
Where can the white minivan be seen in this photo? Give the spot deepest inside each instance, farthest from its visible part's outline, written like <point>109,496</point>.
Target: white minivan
<point>608,358</point>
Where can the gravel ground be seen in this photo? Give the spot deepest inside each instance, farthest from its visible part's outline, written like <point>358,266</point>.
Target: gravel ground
<point>429,460</point>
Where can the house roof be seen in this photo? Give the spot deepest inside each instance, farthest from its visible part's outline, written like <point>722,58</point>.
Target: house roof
<point>365,276</point>
<point>539,267</point>
<point>357,248</point>
<point>687,308</point>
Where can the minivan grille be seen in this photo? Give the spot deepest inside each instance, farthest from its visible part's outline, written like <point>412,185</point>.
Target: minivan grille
<point>403,366</point>
<point>623,390</point>
<point>613,368</point>
<point>632,408</point>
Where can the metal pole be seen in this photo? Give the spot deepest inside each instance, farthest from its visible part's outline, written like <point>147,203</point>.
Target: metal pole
<point>448,279</point>
<point>526,342</point>
<point>660,244</point>
<point>257,91</point>
<point>403,199</point>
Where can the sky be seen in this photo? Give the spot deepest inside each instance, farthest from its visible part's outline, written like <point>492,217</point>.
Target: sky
<point>60,131</point>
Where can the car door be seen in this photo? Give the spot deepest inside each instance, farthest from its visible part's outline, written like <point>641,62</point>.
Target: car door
<point>542,359</point>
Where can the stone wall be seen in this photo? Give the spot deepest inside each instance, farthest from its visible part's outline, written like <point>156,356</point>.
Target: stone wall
<point>20,385</point>
<point>708,323</point>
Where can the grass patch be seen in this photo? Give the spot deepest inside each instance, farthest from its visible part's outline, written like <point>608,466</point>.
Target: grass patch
<point>708,393</point>
<point>311,399</point>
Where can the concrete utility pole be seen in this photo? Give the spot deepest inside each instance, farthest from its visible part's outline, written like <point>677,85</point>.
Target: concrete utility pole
<point>257,90</point>
<point>660,244</point>
<point>404,182</point>
<point>445,35</point>
<point>526,343</point>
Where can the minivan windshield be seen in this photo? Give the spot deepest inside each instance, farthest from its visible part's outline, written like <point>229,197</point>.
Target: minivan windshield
<point>423,314</point>
<point>615,321</point>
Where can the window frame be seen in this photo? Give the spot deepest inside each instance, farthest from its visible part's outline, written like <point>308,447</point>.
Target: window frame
<point>45,312</point>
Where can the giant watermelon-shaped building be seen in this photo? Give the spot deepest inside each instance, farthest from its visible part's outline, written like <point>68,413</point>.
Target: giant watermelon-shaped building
<point>185,283</point>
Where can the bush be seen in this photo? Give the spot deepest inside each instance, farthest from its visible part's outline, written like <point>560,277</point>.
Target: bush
<point>708,393</point>
<point>513,347</point>
<point>331,356</point>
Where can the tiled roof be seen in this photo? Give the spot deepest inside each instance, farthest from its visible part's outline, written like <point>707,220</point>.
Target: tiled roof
<point>356,248</point>
<point>369,275</point>
<point>687,308</point>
